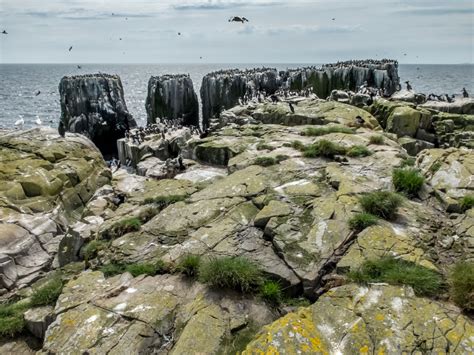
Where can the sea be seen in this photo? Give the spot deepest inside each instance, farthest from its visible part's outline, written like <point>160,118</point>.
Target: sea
<point>19,84</point>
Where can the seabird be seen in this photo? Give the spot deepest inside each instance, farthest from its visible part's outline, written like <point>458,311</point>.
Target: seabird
<point>38,92</point>
<point>179,33</point>
<point>61,129</point>
<point>38,121</point>
<point>4,32</point>
<point>292,109</point>
<point>120,39</point>
<point>359,120</point>
<point>334,19</point>
<point>79,67</point>
<point>70,48</point>
<point>409,88</point>
<point>238,19</point>
<point>465,93</point>
<point>20,122</point>
<point>274,98</point>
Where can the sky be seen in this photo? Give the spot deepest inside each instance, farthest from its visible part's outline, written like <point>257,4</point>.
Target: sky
<point>299,31</point>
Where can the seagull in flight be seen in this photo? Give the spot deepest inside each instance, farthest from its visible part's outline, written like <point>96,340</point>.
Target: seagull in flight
<point>38,92</point>
<point>4,32</point>
<point>238,19</point>
<point>70,48</point>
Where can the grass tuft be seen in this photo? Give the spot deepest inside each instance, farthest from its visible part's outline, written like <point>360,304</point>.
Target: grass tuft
<point>408,161</point>
<point>91,249</point>
<point>236,273</point>
<point>323,148</point>
<point>425,282</point>
<point>361,221</point>
<point>466,203</point>
<point>435,167</point>
<point>123,227</point>
<point>265,161</point>
<point>112,269</point>
<point>12,321</point>
<point>378,140</point>
<point>271,292</point>
<point>408,181</point>
<point>298,145</point>
<point>48,293</point>
<point>382,204</point>
<point>189,265</point>
<point>264,146</point>
<point>150,269</point>
<point>164,201</point>
<point>321,131</point>
<point>358,151</point>
<point>461,282</point>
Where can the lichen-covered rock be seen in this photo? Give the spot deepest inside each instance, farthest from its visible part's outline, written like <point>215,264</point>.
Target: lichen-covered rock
<point>94,105</point>
<point>46,181</point>
<point>404,121</point>
<point>38,319</point>
<point>359,320</point>
<point>172,97</point>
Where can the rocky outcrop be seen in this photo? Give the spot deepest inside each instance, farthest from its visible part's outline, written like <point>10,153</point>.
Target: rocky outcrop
<point>459,106</point>
<point>172,97</point>
<point>377,319</point>
<point>94,105</point>
<point>46,181</point>
<point>221,90</point>
<point>346,76</point>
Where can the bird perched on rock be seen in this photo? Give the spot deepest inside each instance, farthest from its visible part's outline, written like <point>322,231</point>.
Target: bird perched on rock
<point>292,109</point>
<point>464,93</point>
<point>359,120</point>
<point>61,129</point>
<point>409,87</point>
<point>20,122</point>
<point>238,19</point>
<point>274,98</point>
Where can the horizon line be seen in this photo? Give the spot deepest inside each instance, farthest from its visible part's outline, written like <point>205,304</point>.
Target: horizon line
<point>207,63</point>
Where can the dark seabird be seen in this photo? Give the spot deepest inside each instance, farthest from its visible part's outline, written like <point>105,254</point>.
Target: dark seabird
<point>70,48</point>
<point>292,109</point>
<point>38,92</point>
<point>359,120</point>
<point>334,19</point>
<point>79,67</point>
<point>370,101</point>
<point>409,87</point>
<point>61,129</point>
<point>4,32</point>
<point>465,93</point>
<point>179,33</point>
<point>274,98</point>
<point>200,57</point>
<point>238,19</point>
<point>120,39</point>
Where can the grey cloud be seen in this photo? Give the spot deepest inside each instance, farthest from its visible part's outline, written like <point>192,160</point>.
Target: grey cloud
<point>299,29</point>
<point>436,11</point>
<point>219,5</point>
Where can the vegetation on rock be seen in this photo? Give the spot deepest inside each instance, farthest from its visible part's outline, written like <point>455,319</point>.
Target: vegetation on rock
<point>407,161</point>
<point>383,204</point>
<point>323,148</point>
<point>466,203</point>
<point>12,321</point>
<point>265,161</point>
<point>48,293</point>
<point>358,151</point>
<point>264,146</point>
<point>408,181</point>
<point>360,221</point>
<point>378,140</point>
<point>271,292</point>
<point>236,273</point>
<point>425,282</point>
<point>164,201</point>
<point>91,249</point>
<point>189,265</point>
<point>321,131</point>
<point>123,227</point>
<point>461,282</point>
<point>435,167</point>
<point>112,269</point>
<point>150,269</point>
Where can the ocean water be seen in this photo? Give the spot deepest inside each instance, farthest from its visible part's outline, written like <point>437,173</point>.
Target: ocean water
<point>20,82</point>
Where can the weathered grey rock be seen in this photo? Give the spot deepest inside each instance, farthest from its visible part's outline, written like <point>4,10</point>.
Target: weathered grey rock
<point>94,105</point>
<point>172,97</point>
<point>340,96</point>
<point>38,320</point>
<point>414,146</point>
<point>459,106</point>
<point>409,96</point>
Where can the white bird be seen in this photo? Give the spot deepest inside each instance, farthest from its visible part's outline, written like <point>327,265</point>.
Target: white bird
<point>38,121</point>
<point>20,122</point>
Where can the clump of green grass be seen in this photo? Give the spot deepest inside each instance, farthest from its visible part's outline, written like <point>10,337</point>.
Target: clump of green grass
<point>382,204</point>
<point>265,161</point>
<point>264,146</point>
<point>425,282</point>
<point>123,227</point>
<point>271,292</point>
<point>48,293</point>
<point>408,181</point>
<point>358,151</point>
<point>297,302</point>
<point>189,265</point>
<point>461,282</point>
<point>150,269</point>
<point>164,201</point>
<point>236,273</point>
<point>407,161</point>
<point>112,269</point>
<point>321,131</point>
<point>12,321</point>
<point>323,148</point>
<point>435,167</point>
<point>91,249</point>
<point>298,145</point>
<point>360,221</point>
<point>466,203</point>
<point>378,140</point>
<point>281,157</point>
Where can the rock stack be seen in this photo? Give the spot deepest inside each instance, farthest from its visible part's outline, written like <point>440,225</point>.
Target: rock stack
<point>172,97</point>
<point>94,105</point>
<point>222,89</point>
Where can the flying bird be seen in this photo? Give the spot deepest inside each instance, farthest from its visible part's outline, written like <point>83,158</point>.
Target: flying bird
<point>4,32</point>
<point>179,33</point>
<point>38,92</point>
<point>334,19</point>
<point>120,39</point>
<point>79,67</point>
<point>238,19</point>
<point>70,48</point>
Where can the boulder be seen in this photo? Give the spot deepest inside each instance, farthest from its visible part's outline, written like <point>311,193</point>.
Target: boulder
<point>172,97</point>
<point>414,146</point>
<point>409,96</point>
<point>38,320</point>
<point>340,96</point>
<point>459,106</point>
<point>94,105</point>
